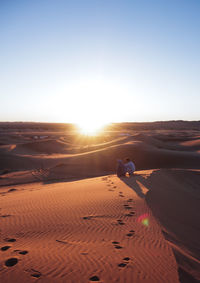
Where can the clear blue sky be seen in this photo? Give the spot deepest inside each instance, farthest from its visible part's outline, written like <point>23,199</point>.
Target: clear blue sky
<point>110,60</point>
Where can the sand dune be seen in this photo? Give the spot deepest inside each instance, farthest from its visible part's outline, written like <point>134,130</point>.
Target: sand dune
<point>98,163</point>
<point>66,217</point>
<point>176,204</point>
<point>68,161</point>
<point>43,147</point>
<point>192,144</point>
<point>102,227</point>
<point>71,232</point>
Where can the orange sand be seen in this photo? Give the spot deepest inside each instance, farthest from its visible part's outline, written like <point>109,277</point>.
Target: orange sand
<point>54,228</point>
<point>68,230</point>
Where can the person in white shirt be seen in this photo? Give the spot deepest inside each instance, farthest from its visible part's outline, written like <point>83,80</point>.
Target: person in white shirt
<point>130,166</point>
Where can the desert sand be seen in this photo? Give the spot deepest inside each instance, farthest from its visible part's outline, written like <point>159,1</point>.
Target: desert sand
<point>66,216</point>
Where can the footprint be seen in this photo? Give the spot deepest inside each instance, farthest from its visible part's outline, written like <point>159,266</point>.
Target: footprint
<point>130,214</point>
<point>21,252</point>
<point>118,247</point>
<point>126,206</point>
<point>11,261</point>
<point>34,273</point>
<point>62,242</point>
<point>94,278</point>
<point>12,190</point>
<point>10,240</point>
<point>131,233</point>
<point>87,217</point>
<point>122,196</point>
<point>115,243</point>
<point>5,215</point>
<point>5,248</point>
<point>122,264</point>
<point>126,258</point>
<point>120,222</point>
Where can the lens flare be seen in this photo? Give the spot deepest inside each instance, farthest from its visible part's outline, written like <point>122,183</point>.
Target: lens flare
<point>144,219</point>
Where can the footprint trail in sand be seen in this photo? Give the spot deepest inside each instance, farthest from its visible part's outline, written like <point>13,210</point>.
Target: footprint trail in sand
<point>82,231</point>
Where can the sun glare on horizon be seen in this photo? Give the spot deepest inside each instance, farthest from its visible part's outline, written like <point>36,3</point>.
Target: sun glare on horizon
<point>90,128</point>
<point>98,103</point>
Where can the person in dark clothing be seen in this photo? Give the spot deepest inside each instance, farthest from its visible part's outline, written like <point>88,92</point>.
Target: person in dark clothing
<point>121,169</point>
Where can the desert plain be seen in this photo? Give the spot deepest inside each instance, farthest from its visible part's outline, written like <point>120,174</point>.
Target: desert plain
<point>66,217</point>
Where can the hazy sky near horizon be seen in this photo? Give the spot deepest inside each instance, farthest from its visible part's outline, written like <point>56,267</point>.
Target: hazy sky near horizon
<point>105,60</point>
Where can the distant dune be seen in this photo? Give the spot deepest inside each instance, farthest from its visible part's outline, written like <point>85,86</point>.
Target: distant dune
<point>68,155</point>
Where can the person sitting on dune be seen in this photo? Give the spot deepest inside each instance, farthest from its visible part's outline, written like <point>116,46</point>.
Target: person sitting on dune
<point>130,166</point>
<point>121,169</point>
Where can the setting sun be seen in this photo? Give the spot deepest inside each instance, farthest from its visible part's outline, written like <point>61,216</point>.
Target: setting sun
<point>90,128</point>
<point>94,108</point>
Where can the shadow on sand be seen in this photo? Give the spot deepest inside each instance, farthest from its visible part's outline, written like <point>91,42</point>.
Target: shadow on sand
<point>169,202</point>
<point>132,182</point>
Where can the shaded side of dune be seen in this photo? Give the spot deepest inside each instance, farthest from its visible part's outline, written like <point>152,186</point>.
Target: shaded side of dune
<point>100,162</point>
<point>104,161</point>
<point>174,198</point>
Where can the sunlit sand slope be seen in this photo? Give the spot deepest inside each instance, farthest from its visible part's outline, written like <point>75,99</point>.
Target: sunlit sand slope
<point>96,229</point>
